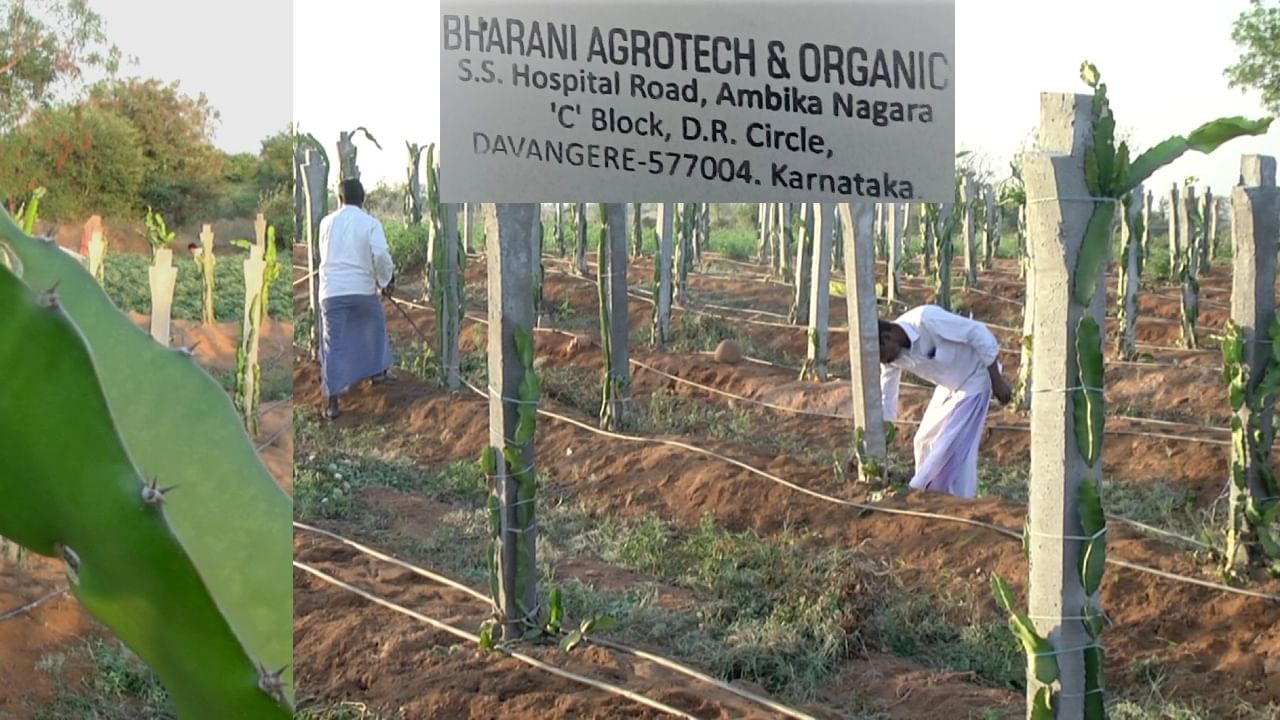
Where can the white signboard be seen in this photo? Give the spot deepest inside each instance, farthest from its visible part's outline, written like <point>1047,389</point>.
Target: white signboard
<point>703,101</point>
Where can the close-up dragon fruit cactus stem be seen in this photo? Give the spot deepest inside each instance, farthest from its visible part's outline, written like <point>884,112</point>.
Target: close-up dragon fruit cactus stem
<point>128,461</point>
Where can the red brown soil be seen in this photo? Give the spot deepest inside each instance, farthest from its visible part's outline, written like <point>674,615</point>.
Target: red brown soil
<point>54,626</point>
<point>57,625</point>
<point>1212,646</point>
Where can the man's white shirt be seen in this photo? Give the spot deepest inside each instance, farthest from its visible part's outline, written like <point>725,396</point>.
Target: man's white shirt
<point>949,350</point>
<point>354,259</point>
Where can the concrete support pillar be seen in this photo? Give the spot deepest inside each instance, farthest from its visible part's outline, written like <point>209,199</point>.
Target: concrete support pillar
<point>613,264</point>
<point>864,334</point>
<point>1129,277</point>
<point>468,229</point>
<point>1255,232</point>
<point>803,266</point>
<point>580,240</point>
<point>815,364</point>
<point>509,254</point>
<point>1056,232</point>
<point>787,240</point>
<point>664,258</point>
<point>893,230</point>
<point>1206,229</point>
<point>992,234</point>
<point>1147,203</point>
<point>928,239</point>
<point>315,177</point>
<point>762,242</point>
<point>1175,230</point>
<point>969,196</point>
<point>450,323</point>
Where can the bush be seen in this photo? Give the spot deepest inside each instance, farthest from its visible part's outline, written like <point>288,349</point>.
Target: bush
<point>408,246</point>
<point>90,161</point>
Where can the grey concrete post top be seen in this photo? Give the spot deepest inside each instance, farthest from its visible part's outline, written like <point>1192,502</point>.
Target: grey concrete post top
<point>1258,170</point>
<point>1065,120</point>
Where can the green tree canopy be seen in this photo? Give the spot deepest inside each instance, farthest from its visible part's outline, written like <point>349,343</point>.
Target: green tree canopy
<point>275,169</point>
<point>45,43</point>
<point>184,170</point>
<point>89,160</point>
<point>1257,32</point>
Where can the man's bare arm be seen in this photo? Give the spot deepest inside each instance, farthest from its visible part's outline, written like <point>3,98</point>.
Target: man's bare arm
<point>999,386</point>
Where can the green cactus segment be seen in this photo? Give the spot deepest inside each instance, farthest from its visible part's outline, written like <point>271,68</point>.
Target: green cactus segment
<point>30,211</point>
<point>1095,706</point>
<point>1093,560</point>
<point>1204,139</point>
<point>93,507</point>
<point>1251,521</point>
<point>1110,175</point>
<point>182,429</point>
<point>1087,401</point>
<point>1042,707</point>
<point>1040,653</point>
<point>528,394</point>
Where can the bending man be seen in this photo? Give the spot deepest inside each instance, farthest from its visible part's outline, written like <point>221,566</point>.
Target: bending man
<point>354,265</point>
<point>960,356</point>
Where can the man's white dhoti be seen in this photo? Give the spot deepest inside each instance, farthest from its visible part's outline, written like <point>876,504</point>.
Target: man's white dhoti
<point>954,353</point>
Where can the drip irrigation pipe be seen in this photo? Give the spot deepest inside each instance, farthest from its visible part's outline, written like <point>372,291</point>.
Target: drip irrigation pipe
<point>272,440</point>
<point>845,329</point>
<point>656,659</point>
<point>832,376</point>
<point>837,416</point>
<point>910,513</point>
<point>463,634</point>
<point>753,401</point>
<point>875,508</point>
<point>28,607</point>
<point>1002,427</point>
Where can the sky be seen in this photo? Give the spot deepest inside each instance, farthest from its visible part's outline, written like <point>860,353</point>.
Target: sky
<point>239,53</point>
<point>1162,60</point>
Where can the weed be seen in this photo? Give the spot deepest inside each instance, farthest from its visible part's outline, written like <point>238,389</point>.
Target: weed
<point>116,686</point>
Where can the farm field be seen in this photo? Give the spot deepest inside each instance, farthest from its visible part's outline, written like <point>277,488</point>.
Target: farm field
<point>839,606</point>
<point>56,660</point>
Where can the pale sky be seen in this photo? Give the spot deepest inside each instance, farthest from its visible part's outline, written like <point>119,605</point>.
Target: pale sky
<point>239,53</point>
<point>376,64</point>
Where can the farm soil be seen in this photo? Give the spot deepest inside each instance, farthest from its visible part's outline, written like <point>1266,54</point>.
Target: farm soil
<point>59,624</point>
<point>1209,645</point>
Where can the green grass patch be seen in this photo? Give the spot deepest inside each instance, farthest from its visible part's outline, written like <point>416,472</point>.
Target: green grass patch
<point>331,466</point>
<point>781,614</point>
<point>577,388</point>
<point>116,685</point>
<point>702,333</point>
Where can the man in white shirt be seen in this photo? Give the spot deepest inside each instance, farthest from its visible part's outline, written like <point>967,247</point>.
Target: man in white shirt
<point>960,356</point>
<point>355,265</point>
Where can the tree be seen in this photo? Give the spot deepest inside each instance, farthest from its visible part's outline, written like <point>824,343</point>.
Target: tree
<point>274,180</point>
<point>275,167</point>
<point>239,194</point>
<point>184,168</point>
<point>46,43</point>
<point>89,160</point>
<point>1257,32</point>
